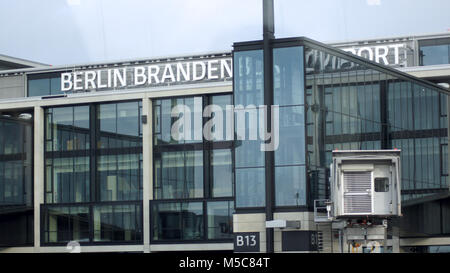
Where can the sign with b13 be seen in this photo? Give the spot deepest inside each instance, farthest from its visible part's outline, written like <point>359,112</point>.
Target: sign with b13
<point>246,242</point>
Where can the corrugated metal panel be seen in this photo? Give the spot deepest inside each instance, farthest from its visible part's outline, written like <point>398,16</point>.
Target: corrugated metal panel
<point>357,198</point>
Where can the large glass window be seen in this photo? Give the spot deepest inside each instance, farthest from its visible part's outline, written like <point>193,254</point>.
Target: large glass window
<point>222,173</point>
<point>251,191</point>
<point>119,164</point>
<point>66,223</point>
<point>118,153</point>
<point>290,177</point>
<point>190,165</point>
<point>16,180</point>
<point>116,223</point>
<point>44,84</point>
<point>93,155</point>
<point>67,154</point>
<point>220,220</point>
<point>433,52</point>
<point>186,220</point>
<point>179,175</point>
<point>107,222</point>
<point>353,107</point>
<point>248,93</point>
<point>194,167</point>
<point>178,221</point>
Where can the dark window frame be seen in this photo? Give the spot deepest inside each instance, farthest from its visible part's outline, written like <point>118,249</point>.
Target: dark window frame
<point>94,152</point>
<point>90,205</point>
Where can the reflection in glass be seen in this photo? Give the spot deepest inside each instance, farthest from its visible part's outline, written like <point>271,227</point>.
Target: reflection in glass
<point>291,149</point>
<point>16,182</point>
<point>220,220</point>
<point>352,107</point>
<point>248,78</point>
<point>69,180</point>
<point>116,223</point>
<point>43,85</point>
<point>290,186</point>
<point>179,175</point>
<point>189,120</point>
<point>250,188</point>
<point>64,224</point>
<point>120,177</point>
<point>435,54</point>
<point>222,173</point>
<point>288,76</point>
<point>181,221</point>
<point>67,174</point>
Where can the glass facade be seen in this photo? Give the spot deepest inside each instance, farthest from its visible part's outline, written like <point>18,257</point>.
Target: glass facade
<point>44,84</point>
<point>16,181</point>
<point>192,220</point>
<point>326,100</point>
<point>329,100</point>
<point>192,173</point>
<point>289,95</point>
<point>67,154</point>
<point>354,107</point>
<point>93,157</point>
<point>434,52</point>
<point>248,93</point>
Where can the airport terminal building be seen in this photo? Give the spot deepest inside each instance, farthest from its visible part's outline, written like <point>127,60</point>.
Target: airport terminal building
<point>89,157</point>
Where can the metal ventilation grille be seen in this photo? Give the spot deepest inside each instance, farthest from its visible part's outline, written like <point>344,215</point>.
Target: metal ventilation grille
<point>357,195</point>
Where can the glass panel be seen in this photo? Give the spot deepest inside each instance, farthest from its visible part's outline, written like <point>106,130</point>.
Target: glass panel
<point>181,174</point>
<point>248,78</point>
<point>223,101</point>
<point>222,173</point>
<point>38,87</point>
<point>381,184</point>
<point>182,221</point>
<point>288,76</point>
<point>166,221</point>
<point>249,93</point>
<point>64,224</point>
<point>55,86</point>
<point>44,85</point>
<point>16,180</point>
<point>290,186</point>
<point>70,180</point>
<point>187,124</point>
<point>220,220</point>
<point>116,223</point>
<point>291,149</point>
<point>192,221</point>
<point>119,177</point>
<point>433,55</point>
<point>250,188</point>
<point>128,119</point>
<point>107,117</point>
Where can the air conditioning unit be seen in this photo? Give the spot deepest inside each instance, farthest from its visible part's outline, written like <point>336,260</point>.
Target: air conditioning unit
<point>366,183</point>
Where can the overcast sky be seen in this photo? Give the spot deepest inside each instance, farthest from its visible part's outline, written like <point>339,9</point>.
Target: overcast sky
<point>61,32</point>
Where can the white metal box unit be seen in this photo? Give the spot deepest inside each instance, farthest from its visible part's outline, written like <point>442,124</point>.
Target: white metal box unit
<point>366,183</point>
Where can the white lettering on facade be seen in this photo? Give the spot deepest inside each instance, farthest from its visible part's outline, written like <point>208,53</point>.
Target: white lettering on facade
<point>190,71</point>
<point>378,54</point>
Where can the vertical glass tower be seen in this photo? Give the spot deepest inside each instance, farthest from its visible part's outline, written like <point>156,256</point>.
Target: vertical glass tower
<point>329,100</point>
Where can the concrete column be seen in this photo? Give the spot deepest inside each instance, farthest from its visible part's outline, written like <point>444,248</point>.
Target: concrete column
<point>39,168</point>
<point>147,162</point>
<point>395,240</point>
